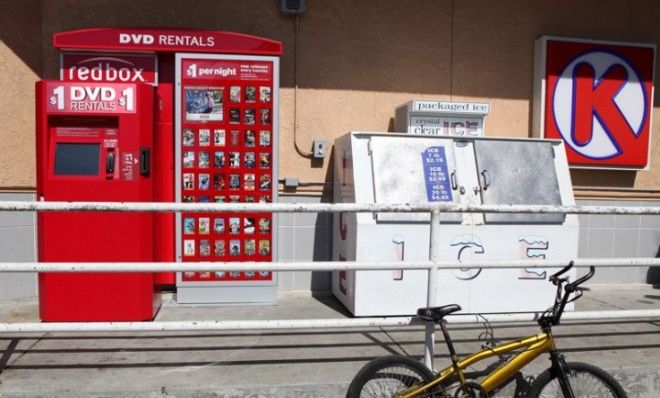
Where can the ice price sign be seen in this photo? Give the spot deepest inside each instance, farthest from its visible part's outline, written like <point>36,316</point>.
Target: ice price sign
<point>436,176</point>
<point>91,98</point>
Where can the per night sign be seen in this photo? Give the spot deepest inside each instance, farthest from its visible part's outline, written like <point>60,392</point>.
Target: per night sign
<point>597,97</point>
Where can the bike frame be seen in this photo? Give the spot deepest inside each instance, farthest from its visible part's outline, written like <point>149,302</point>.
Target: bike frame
<point>533,346</point>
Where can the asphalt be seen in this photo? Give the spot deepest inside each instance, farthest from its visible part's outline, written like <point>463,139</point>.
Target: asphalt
<point>294,363</point>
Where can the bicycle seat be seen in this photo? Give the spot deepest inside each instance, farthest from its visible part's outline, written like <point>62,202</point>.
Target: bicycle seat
<point>436,314</point>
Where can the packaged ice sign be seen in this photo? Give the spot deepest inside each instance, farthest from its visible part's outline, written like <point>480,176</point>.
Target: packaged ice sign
<point>596,97</point>
<point>443,118</point>
<point>112,68</point>
<point>97,98</point>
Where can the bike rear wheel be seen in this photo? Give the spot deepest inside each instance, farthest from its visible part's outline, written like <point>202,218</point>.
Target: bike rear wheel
<point>585,380</point>
<point>385,376</point>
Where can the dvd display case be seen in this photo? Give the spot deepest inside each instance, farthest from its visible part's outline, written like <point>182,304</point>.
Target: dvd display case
<point>225,153</point>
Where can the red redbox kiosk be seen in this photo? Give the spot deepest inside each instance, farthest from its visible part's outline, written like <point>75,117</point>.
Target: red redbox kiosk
<point>94,143</point>
<point>228,153</point>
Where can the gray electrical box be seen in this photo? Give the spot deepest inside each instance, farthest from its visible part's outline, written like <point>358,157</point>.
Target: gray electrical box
<point>319,149</point>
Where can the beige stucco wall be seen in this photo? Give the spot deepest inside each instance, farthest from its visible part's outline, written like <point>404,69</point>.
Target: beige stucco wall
<point>347,64</point>
<point>20,66</point>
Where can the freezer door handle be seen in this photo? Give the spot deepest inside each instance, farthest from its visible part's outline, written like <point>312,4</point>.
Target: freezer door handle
<point>454,183</point>
<point>487,181</point>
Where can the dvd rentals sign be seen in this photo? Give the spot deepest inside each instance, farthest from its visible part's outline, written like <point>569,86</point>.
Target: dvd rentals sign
<point>165,41</point>
<point>113,68</point>
<point>90,97</point>
<point>597,97</point>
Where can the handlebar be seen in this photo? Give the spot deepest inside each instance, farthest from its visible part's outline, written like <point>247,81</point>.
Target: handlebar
<point>561,298</point>
<point>571,287</point>
<point>554,278</point>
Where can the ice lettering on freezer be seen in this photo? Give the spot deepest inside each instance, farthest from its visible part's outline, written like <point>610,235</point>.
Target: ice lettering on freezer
<point>468,246</point>
<point>399,254</point>
<point>599,104</point>
<point>343,228</point>
<point>343,169</point>
<point>533,247</point>
<point>343,232</point>
<point>342,277</point>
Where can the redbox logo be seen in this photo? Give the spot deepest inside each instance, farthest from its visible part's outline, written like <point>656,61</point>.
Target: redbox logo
<point>111,68</point>
<point>105,69</point>
<point>597,99</point>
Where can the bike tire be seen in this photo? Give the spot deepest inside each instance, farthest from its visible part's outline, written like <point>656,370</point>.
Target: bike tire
<point>586,381</point>
<point>385,376</point>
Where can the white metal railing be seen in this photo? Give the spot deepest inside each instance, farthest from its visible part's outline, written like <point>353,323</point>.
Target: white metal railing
<point>317,208</point>
<point>432,265</point>
<point>317,265</point>
<point>172,326</point>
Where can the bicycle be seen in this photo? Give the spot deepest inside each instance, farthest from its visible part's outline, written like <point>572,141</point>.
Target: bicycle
<point>404,377</point>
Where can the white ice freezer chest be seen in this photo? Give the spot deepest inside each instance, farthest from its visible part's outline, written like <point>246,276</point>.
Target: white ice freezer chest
<point>396,168</point>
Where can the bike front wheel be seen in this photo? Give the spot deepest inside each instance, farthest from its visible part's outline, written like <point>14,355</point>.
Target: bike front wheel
<point>386,376</point>
<point>585,380</point>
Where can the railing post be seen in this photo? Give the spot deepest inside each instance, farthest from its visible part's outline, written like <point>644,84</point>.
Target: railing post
<point>434,256</point>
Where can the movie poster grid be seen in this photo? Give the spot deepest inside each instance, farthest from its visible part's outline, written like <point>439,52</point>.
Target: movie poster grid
<point>227,157</point>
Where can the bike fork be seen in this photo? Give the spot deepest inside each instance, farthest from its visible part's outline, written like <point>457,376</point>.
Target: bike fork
<point>560,369</point>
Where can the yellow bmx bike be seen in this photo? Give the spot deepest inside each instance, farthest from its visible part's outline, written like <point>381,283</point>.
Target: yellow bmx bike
<point>404,377</point>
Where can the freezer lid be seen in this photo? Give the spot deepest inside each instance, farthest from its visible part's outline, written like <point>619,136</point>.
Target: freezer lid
<point>413,170</point>
<point>518,173</point>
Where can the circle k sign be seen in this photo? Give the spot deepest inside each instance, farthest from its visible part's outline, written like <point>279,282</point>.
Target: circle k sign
<point>597,98</point>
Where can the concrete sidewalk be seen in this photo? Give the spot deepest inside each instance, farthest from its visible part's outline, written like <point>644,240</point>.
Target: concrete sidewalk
<point>295,363</point>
